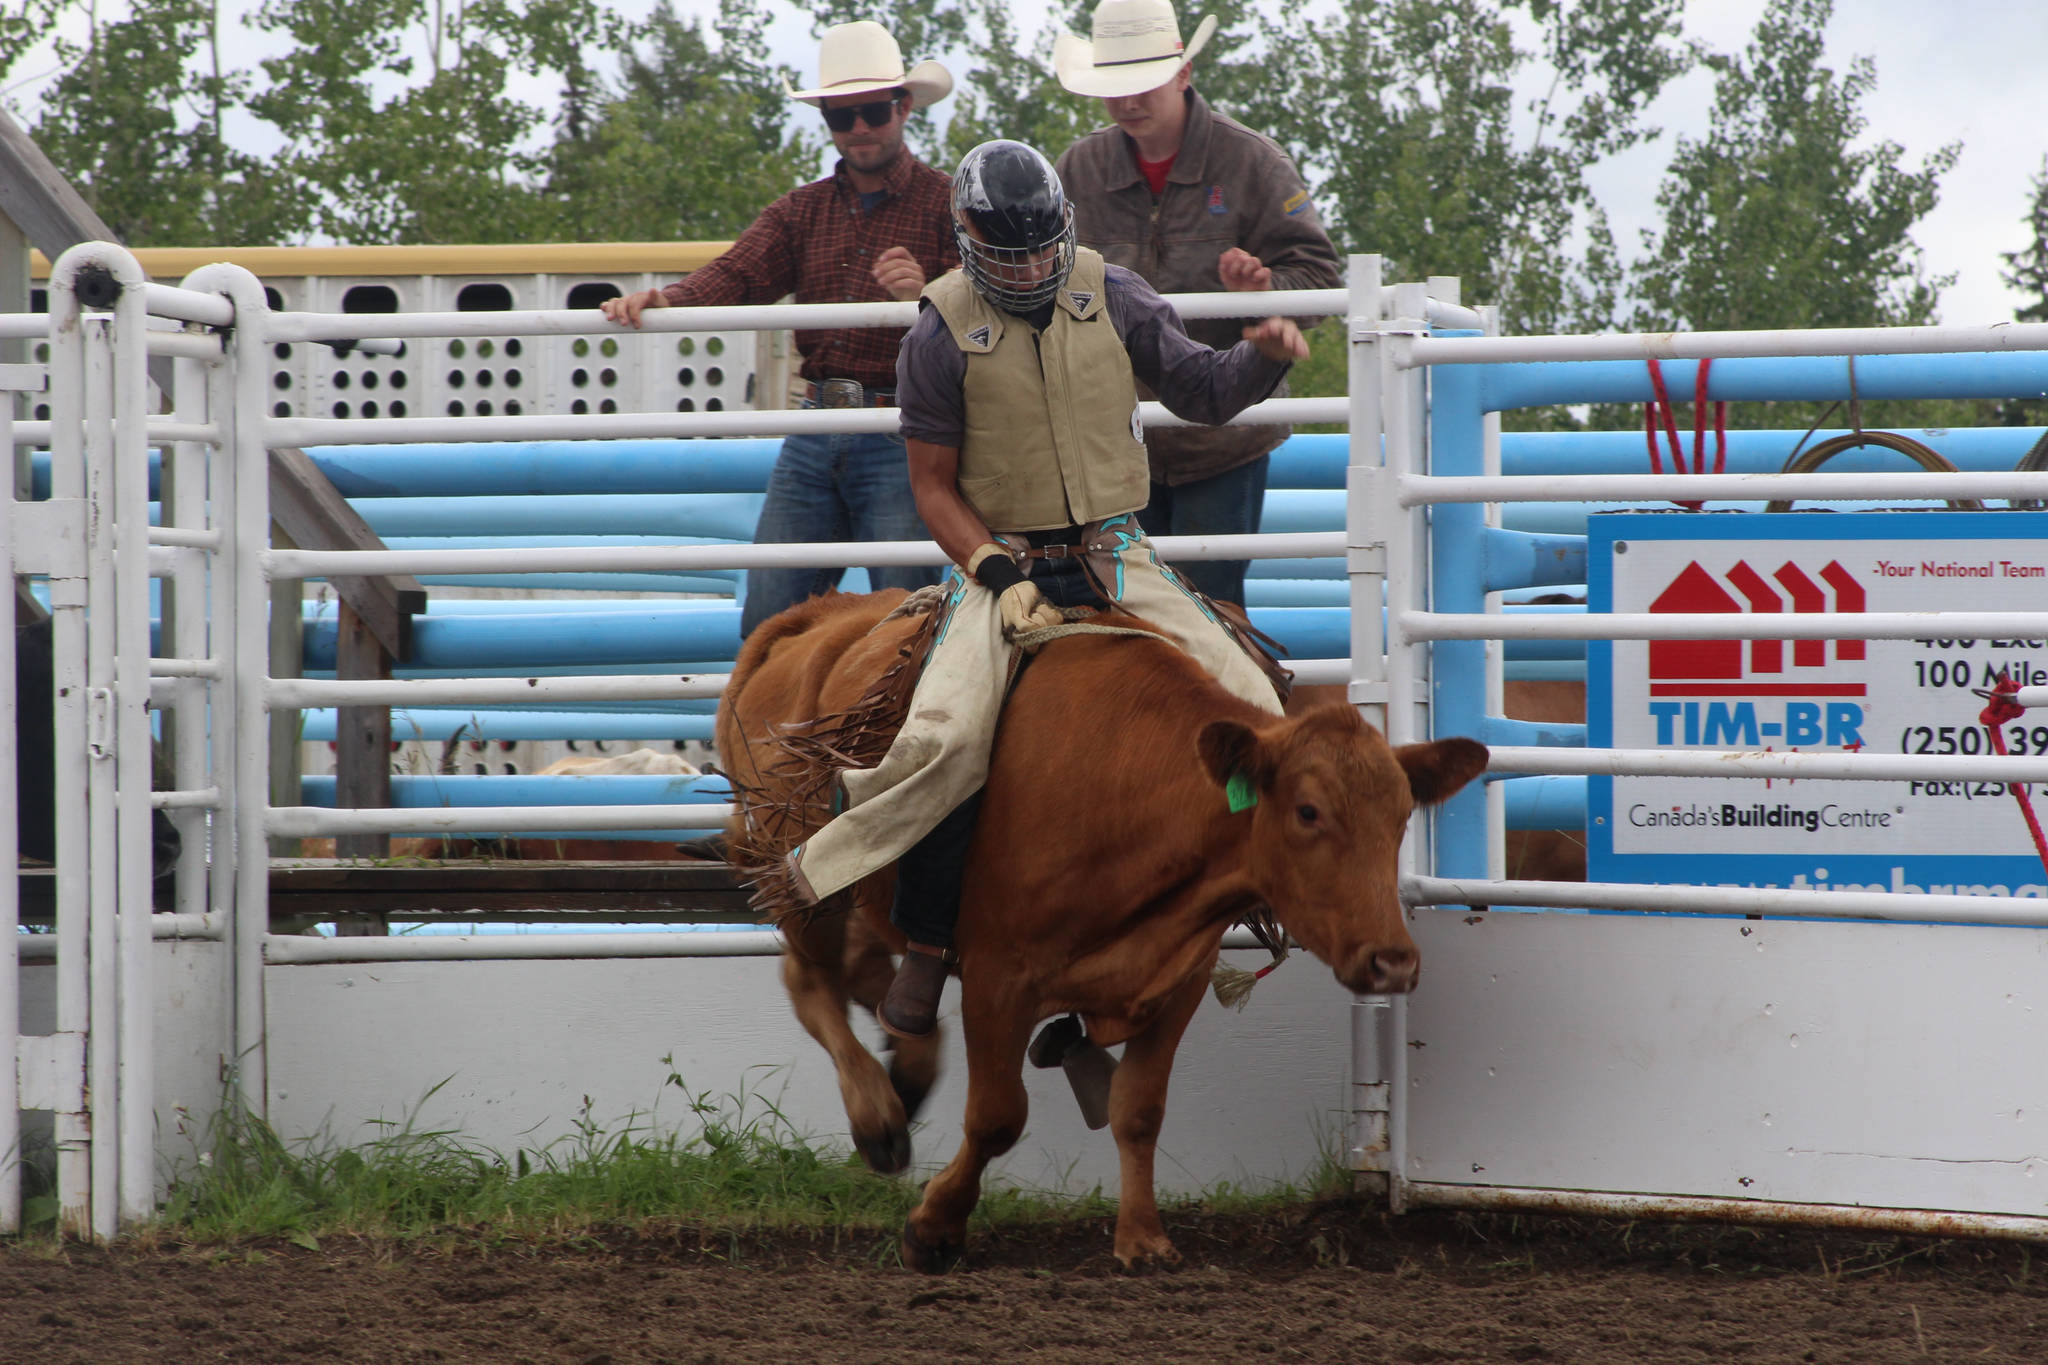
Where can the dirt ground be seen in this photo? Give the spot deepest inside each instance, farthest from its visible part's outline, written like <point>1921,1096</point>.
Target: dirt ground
<point>1332,1282</point>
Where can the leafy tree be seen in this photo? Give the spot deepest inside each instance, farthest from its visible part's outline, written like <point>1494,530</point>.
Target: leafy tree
<point>691,147</point>
<point>1405,116</point>
<point>24,24</point>
<point>136,122</point>
<point>2027,269</point>
<point>451,158</point>
<point>1009,91</point>
<point>1775,218</point>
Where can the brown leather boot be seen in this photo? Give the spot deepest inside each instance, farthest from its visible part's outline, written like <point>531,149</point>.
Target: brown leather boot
<point>910,1009</point>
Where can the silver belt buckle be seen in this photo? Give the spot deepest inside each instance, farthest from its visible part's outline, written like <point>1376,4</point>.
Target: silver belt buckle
<point>840,393</point>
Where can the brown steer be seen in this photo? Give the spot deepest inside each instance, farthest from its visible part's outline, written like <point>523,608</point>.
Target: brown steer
<point>1105,867</point>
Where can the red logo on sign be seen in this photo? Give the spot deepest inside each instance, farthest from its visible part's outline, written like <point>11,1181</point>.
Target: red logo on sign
<point>1716,667</point>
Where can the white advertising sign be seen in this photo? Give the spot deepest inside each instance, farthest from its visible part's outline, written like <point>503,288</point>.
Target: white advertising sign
<point>1878,696</point>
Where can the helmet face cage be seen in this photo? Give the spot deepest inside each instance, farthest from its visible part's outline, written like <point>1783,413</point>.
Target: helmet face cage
<point>1012,277</point>
<point>1013,225</point>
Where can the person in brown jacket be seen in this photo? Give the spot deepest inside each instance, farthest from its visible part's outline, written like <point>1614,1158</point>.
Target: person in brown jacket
<point>1194,202</point>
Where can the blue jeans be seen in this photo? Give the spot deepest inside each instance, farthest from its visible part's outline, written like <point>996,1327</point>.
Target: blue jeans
<point>837,487</point>
<point>1226,504</point>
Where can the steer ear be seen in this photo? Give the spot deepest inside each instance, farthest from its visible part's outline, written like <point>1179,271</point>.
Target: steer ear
<point>1228,748</point>
<point>1436,771</point>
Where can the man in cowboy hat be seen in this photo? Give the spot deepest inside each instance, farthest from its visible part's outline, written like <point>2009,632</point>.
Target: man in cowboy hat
<point>877,229</point>
<point>1194,202</point>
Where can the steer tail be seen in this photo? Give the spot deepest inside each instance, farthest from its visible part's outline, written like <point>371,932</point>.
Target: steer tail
<point>799,766</point>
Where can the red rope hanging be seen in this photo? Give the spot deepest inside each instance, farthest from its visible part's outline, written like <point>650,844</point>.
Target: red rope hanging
<point>2000,710</point>
<point>1660,411</point>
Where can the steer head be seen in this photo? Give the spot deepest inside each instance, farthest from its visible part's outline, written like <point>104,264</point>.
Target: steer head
<point>1332,802</point>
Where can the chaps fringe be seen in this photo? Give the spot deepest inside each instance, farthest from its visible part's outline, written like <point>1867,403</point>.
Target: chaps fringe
<point>799,775</point>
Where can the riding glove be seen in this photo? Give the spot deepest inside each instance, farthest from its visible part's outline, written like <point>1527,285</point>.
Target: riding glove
<point>1023,606</point>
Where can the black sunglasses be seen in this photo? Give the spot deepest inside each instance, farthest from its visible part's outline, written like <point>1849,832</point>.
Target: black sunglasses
<point>875,113</point>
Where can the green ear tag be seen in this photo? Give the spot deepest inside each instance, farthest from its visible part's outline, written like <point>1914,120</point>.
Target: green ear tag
<point>1240,792</point>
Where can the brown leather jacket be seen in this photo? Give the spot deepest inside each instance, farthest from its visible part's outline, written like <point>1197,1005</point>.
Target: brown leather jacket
<point>1229,186</point>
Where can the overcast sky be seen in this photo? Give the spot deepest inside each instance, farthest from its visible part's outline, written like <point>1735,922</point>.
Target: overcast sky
<point>1968,71</point>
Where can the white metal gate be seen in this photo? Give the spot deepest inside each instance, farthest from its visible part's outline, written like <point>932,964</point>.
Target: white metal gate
<point>1848,1057</point>
<point>1552,1061</point>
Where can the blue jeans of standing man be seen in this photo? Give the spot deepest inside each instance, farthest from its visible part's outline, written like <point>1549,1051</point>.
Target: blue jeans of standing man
<point>838,487</point>
<point>1226,504</point>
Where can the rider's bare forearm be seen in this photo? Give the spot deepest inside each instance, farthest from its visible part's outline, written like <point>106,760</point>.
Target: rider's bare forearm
<point>935,483</point>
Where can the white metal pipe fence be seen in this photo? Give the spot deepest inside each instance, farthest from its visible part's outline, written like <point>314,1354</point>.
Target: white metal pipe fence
<point>1413,349</point>
<point>214,547</point>
<point>1409,493</point>
<point>1908,908</point>
<point>1924,486</point>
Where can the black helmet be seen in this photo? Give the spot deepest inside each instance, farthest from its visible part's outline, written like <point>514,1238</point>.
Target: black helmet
<point>1008,213</point>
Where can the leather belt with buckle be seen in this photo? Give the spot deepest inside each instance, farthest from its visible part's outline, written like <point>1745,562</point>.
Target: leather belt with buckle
<point>846,393</point>
<point>1070,543</point>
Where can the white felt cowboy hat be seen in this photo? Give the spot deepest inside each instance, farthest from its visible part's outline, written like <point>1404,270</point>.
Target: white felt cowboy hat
<point>856,58</point>
<point>1135,47</point>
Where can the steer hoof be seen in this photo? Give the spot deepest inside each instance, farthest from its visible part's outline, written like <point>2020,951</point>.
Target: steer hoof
<point>1157,1257</point>
<point>886,1154</point>
<point>928,1260</point>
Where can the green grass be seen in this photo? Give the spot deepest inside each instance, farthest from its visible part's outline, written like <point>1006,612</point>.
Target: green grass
<point>738,1166</point>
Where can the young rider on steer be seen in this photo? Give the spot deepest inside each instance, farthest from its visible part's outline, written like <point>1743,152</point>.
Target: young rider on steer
<point>1027,460</point>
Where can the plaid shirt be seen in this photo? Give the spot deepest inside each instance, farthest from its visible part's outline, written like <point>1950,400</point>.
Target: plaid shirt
<point>816,242</point>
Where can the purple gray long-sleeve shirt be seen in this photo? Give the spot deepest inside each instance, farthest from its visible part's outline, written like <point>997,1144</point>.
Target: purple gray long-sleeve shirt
<point>1192,380</point>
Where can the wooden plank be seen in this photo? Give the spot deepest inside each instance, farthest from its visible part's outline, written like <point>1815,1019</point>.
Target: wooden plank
<point>287,636</point>
<point>333,889</point>
<point>54,217</point>
<point>542,892</point>
<point>27,610</point>
<point>322,875</point>
<point>605,907</point>
<point>362,734</point>
<point>316,517</point>
<point>14,293</point>
<point>40,200</point>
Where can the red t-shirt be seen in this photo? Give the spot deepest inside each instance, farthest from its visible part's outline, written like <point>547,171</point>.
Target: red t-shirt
<point>1155,172</point>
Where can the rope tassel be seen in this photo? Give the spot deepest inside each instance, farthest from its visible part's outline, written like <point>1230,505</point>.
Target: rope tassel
<point>1233,985</point>
<point>1661,411</point>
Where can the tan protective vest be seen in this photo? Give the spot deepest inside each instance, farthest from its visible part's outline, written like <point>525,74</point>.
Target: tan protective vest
<point>1052,432</point>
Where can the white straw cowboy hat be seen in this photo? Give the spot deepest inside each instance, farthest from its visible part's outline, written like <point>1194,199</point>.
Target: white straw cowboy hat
<point>1135,47</point>
<point>856,58</point>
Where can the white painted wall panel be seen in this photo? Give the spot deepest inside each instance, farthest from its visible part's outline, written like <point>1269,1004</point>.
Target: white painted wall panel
<point>1256,1096</point>
<point>1901,1066</point>
<point>194,1044</point>
<point>192,1040</point>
